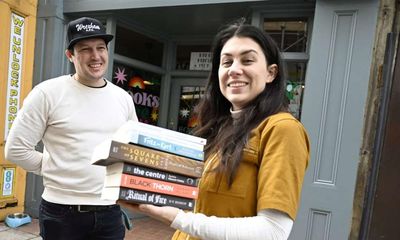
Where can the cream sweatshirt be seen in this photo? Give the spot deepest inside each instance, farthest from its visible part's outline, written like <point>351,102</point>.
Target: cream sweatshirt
<point>70,119</point>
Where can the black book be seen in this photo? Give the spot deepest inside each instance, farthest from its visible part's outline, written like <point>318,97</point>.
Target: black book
<point>132,169</point>
<point>140,197</point>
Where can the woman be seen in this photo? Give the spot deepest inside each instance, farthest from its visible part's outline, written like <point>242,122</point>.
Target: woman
<point>257,152</point>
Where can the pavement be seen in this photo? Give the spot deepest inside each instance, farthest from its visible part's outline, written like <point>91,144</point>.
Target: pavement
<point>145,228</point>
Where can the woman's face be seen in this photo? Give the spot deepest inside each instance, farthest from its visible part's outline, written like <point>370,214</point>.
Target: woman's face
<point>243,71</point>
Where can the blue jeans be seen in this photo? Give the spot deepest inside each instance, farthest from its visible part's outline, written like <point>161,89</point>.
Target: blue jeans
<point>66,222</point>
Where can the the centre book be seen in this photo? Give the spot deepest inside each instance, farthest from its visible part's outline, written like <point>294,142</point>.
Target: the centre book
<point>149,164</point>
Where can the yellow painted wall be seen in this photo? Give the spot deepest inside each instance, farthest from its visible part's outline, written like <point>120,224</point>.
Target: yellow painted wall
<point>26,9</point>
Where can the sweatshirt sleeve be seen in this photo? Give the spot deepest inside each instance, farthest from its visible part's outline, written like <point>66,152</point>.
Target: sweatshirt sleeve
<point>26,132</point>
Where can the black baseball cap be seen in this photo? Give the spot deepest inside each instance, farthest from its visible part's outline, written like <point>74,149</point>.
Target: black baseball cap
<point>84,28</point>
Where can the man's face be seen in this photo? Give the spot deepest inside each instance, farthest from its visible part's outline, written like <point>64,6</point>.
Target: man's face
<point>90,58</point>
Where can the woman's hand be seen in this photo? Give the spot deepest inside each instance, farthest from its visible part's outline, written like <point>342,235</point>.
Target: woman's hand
<point>164,214</point>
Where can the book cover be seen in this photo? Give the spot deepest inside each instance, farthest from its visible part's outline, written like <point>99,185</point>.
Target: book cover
<point>137,170</point>
<point>151,185</point>
<point>139,196</point>
<point>110,152</point>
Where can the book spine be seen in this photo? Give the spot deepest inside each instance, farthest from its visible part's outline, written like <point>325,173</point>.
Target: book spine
<point>138,196</point>
<point>170,147</point>
<point>147,157</point>
<point>159,175</point>
<point>153,185</point>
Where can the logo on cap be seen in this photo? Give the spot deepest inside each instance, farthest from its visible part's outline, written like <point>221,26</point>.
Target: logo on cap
<point>87,28</point>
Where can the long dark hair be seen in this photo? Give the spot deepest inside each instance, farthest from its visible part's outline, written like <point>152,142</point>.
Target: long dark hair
<point>213,110</point>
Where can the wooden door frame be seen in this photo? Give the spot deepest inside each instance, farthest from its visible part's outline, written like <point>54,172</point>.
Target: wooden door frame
<point>382,201</point>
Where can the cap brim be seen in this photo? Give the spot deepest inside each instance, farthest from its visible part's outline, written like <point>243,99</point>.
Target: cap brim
<point>106,37</point>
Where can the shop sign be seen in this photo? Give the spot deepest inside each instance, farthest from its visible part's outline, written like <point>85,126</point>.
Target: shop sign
<point>200,61</point>
<point>14,70</point>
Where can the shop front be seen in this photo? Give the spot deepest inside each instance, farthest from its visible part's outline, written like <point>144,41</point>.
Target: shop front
<point>16,63</point>
<point>161,57</point>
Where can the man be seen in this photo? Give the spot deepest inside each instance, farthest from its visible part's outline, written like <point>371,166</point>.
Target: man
<point>71,114</point>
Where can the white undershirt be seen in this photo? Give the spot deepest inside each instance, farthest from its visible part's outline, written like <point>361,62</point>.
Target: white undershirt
<point>269,224</point>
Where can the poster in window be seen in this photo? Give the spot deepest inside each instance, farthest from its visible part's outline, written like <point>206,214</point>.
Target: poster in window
<point>143,87</point>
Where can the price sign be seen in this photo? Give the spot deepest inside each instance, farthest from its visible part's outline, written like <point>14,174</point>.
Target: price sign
<point>200,61</point>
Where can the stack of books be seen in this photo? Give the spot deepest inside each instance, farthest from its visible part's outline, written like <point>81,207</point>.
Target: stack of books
<point>150,164</point>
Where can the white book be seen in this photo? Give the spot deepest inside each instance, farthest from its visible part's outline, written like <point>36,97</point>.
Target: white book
<point>167,133</point>
<point>130,131</point>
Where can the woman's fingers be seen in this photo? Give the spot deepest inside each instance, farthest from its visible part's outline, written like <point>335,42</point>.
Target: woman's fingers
<point>164,214</point>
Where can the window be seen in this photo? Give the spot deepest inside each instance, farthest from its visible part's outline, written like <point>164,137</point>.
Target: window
<point>289,34</point>
<point>291,37</point>
<point>295,86</point>
<point>183,53</point>
<point>144,88</point>
<point>138,46</point>
<point>189,97</point>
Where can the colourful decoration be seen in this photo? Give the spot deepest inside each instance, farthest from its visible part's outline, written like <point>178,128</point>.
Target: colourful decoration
<point>120,76</point>
<point>143,87</point>
<point>192,122</point>
<point>184,112</point>
<point>136,81</point>
<point>154,114</point>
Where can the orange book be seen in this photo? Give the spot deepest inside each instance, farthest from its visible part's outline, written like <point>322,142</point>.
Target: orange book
<point>151,185</point>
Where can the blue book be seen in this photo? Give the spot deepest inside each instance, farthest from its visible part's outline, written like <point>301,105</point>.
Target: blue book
<point>159,144</point>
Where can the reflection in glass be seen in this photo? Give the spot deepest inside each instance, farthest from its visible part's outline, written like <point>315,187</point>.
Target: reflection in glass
<point>295,86</point>
<point>134,45</point>
<point>189,97</point>
<point>290,35</point>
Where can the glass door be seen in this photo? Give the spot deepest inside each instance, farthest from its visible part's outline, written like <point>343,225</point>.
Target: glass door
<point>185,94</point>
